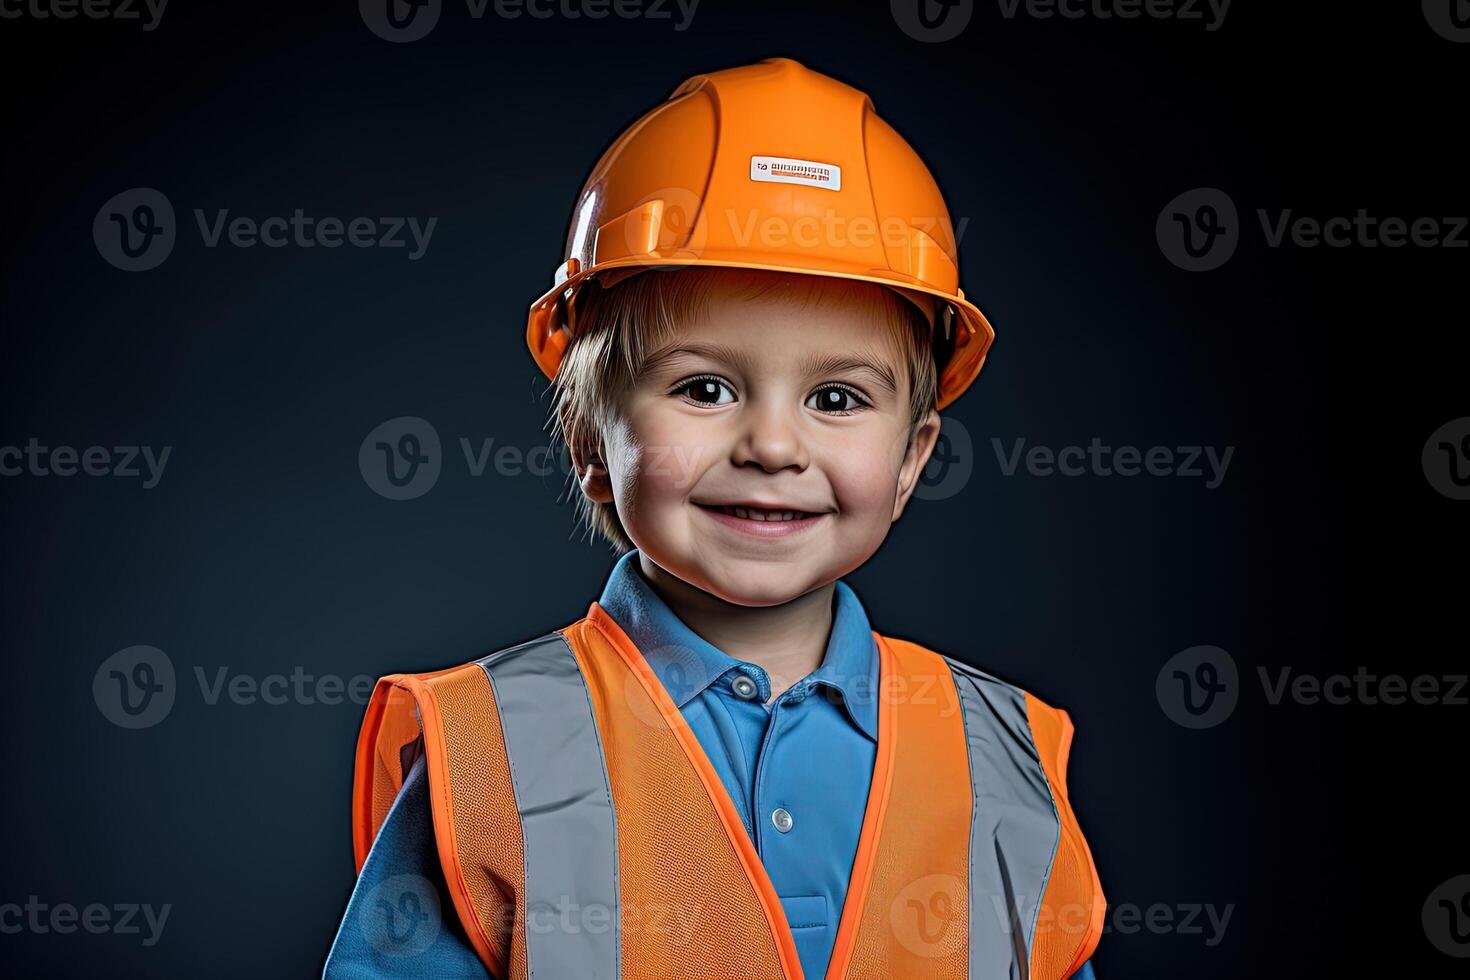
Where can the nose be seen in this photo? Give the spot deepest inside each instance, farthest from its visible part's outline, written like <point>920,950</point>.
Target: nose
<point>770,438</point>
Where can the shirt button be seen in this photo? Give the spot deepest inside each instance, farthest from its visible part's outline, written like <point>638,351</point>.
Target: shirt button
<point>745,689</point>
<point>781,817</point>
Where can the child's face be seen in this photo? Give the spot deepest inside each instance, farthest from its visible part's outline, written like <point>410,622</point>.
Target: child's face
<point>766,401</point>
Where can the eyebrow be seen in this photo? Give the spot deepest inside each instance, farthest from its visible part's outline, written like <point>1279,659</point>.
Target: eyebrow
<point>816,364</point>
<point>715,352</point>
<point>836,364</point>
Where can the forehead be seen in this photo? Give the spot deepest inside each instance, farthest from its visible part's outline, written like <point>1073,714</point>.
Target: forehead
<point>785,326</point>
<point>781,313</point>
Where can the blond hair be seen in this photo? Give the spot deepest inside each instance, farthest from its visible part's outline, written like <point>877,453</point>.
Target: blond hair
<point>616,327</point>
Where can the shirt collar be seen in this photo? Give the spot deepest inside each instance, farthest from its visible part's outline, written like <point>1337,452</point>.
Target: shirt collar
<point>686,663</point>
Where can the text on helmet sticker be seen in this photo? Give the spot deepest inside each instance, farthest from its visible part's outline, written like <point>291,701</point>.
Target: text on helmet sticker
<point>789,170</point>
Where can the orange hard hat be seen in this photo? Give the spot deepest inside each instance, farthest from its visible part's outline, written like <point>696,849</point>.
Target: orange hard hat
<point>768,166</point>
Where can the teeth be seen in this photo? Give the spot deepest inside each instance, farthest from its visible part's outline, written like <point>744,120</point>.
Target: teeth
<point>753,514</point>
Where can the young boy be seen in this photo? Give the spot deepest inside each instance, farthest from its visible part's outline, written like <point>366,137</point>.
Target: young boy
<point>722,771</point>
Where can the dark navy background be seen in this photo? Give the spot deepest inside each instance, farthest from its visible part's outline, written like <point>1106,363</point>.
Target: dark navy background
<point>263,549</point>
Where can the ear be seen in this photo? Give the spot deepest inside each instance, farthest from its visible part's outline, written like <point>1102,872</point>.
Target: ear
<point>592,474</point>
<point>916,457</point>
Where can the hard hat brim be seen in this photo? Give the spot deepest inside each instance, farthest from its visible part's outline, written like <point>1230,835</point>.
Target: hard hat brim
<point>548,338</point>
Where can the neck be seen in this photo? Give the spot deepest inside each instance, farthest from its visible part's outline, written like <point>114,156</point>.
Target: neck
<point>788,641</point>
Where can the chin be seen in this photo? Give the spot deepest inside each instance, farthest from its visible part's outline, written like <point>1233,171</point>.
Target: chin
<point>747,583</point>
<point>751,574</point>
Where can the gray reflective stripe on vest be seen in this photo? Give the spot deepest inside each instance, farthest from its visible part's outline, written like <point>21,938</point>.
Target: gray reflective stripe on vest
<point>1014,829</point>
<point>561,787</point>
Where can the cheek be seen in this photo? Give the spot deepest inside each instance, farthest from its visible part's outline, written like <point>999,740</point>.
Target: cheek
<point>864,490</point>
<point>863,472</point>
<point>663,460</point>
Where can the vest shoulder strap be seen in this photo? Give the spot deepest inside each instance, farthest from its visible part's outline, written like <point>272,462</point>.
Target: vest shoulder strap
<point>451,717</point>
<point>1051,918</point>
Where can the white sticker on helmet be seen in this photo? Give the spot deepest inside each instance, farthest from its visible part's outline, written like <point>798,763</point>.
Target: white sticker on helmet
<point>789,170</point>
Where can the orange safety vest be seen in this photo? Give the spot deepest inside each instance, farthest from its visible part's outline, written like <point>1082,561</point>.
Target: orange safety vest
<point>583,832</point>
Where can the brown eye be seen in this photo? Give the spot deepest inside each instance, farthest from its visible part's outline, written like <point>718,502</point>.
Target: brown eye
<point>835,399</point>
<point>706,391</point>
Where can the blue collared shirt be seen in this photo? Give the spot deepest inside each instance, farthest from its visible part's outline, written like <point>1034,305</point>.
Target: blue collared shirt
<point>809,752</point>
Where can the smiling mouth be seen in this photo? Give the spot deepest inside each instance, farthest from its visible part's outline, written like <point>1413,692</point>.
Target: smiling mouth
<point>759,513</point>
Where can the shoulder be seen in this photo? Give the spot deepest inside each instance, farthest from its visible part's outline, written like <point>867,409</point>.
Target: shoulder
<point>983,694</point>
<point>554,640</point>
<point>967,677</point>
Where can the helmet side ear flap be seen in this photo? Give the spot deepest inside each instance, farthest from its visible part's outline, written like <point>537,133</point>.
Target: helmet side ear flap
<point>947,337</point>
<point>569,314</point>
<point>570,307</point>
<point>944,337</point>
<point>546,336</point>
